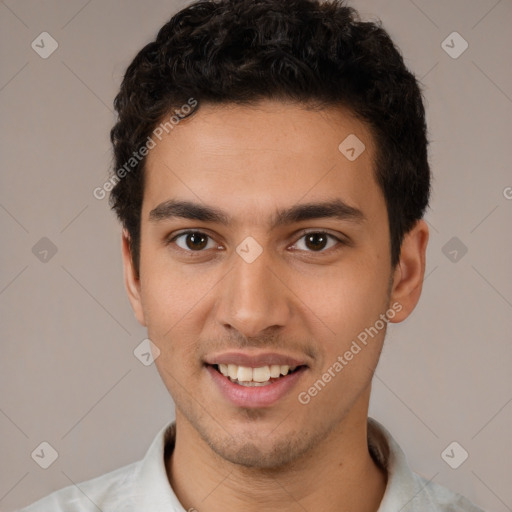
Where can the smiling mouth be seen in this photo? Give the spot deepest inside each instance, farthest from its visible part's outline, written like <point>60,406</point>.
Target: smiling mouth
<point>252,377</point>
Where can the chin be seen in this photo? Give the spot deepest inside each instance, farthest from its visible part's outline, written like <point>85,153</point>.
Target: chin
<point>273,448</point>
<point>260,455</point>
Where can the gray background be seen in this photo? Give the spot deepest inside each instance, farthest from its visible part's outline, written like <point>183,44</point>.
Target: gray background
<point>68,374</point>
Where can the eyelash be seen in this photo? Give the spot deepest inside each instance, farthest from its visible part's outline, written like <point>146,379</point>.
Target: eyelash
<point>304,234</point>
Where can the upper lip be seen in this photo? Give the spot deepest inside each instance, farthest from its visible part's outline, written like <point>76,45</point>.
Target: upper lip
<point>253,360</point>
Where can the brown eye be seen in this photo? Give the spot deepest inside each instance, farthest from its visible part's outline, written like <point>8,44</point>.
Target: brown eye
<point>317,241</point>
<point>196,241</point>
<point>193,241</point>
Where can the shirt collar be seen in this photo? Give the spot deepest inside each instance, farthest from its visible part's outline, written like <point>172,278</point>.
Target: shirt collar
<point>152,489</point>
<point>402,486</point>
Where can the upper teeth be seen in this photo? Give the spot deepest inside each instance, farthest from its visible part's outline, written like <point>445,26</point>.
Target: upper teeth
<point>261,374</point>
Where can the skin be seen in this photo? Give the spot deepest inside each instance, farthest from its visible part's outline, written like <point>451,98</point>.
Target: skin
<point>300,298</point>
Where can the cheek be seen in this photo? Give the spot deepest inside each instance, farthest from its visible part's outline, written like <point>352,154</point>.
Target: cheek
<point>350,305</point>
<point>171,291</point>
<point>350,336</point>
<point>347,299</point>
<point>172,302</point>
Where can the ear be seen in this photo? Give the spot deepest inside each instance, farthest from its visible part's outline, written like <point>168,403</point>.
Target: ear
<point>131,279</point>
<point>409,272</point>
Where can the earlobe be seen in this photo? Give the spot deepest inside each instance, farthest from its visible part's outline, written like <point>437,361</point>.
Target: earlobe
<point>131,279</point>
<point>410,271</point>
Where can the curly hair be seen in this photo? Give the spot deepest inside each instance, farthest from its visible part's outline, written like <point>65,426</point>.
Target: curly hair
<point>311,52</point>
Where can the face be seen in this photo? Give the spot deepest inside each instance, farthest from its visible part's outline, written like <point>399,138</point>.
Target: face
<point>263,246</point>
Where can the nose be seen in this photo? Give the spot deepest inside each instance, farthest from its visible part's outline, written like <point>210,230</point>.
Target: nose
<point>254,298</point>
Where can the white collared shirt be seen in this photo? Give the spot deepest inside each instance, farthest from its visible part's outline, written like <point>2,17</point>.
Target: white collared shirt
<point>143,486</point>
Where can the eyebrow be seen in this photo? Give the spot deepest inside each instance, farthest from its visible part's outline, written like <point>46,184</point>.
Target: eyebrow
<point>336,209</point>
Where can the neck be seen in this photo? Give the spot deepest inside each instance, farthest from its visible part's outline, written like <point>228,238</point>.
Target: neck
<point>339,474</point>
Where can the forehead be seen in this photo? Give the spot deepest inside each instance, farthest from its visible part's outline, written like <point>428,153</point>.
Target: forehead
<point>253,159</point>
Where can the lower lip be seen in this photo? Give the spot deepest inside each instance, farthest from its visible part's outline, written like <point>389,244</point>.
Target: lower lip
<point>255,396</point>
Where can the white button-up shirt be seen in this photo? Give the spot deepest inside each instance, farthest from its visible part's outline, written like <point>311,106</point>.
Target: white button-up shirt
<point>143,486</point>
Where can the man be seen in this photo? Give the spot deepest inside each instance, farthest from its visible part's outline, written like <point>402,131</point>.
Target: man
<point>271,176</point>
